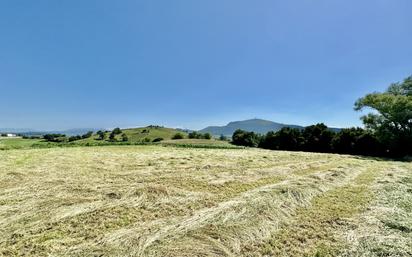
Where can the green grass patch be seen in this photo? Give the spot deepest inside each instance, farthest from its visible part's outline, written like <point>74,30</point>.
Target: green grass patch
<point>312,231</point>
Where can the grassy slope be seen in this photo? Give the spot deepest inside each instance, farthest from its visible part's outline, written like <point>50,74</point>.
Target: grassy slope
<point>17,143</point>
<point>157,201</point>
<point>136,135</point>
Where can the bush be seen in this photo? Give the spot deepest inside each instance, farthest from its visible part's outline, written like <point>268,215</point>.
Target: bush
<point>124,137</point>
<point>197,135</point>
<point>112,137</point>
<point>207,136</point>
<point>87,135</point>
<point>194,135</point>
<point>157,139</point>
<point>101,135</point>
<point>117,131</point>
<point>146,140</point>
<point>223,138</point>
<point>54,138</point>
<point>74,138</point>
<point>178,136</point>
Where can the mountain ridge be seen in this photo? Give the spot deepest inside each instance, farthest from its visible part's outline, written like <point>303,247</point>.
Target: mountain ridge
<point>259,126</point>
<point>33,132</point>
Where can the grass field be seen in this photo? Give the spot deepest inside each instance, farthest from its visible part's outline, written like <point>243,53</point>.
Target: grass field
<point>17,143</point>
<point>135,136</point>
<point>169,201</point>
<point>200,143</point>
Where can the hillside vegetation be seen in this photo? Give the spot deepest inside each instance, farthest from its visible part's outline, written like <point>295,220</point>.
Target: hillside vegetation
<point>168,201</point>
<point>17,143</point>
<point>144,135</point>
<point>148,134</point>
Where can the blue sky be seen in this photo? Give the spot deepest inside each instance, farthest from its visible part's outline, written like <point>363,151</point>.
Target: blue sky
<point>184,63</point>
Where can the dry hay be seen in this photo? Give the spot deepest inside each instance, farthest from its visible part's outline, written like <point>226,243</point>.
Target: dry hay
<point>157,201</point>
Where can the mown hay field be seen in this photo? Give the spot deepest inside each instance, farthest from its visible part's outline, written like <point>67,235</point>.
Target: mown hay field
<point>167,201</point>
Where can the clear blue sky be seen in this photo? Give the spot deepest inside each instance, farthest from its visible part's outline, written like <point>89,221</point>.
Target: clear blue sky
<point>185,63</point>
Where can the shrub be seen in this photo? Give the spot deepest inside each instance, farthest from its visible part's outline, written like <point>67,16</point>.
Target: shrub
<point>112,137</point>
<point>124,137</point>
<point>223,138</point>
<point>87,135</point>
<point>158,139</point>
<point>117,131</point>
<point>74,138</point>
<point>193,135</point>
<point>101,135</point>
<point>178,136</point>
<point>197,135</point>
<point>207,136</point>
<point>54,137</point>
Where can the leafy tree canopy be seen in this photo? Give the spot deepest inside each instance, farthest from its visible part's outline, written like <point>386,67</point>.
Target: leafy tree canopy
<point>392,119</point>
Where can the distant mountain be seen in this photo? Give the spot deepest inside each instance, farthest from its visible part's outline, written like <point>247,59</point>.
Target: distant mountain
<point>256,125</point>
<point>31,132</point>
<point>14,130</point>
<point>78,131</point>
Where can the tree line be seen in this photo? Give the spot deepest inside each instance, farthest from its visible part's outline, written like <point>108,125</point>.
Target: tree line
<point>101,135</point>
<point>315,138</point>
<point>387,132</point>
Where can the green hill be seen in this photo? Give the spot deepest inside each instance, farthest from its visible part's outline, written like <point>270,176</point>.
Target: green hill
<point>137,135</point>
<point>151,132</point>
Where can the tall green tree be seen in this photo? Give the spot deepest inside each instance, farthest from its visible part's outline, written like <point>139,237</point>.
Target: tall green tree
<point>245,138</point>
<point>117,131</point>
<point>112,137</point>
<point>285,139</point>
<point>356,141</point>
<point>318,138</point>
<point>101,135</point>
<point>391,120</point>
